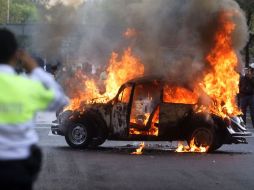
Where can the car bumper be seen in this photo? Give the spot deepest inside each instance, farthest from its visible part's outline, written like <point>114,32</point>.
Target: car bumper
<point>56,129</point>
<point>238,137</point>
<point>241,134</point>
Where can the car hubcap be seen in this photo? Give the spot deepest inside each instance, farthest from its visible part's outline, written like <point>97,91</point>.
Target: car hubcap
<point>78,135</point>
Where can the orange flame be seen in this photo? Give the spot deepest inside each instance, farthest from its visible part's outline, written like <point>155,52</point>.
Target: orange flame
<point>82,95</point>
<point>119,71</point>
<point>221,83</point>
<point>153,131</point>
<point>155,121</point>
<point>191,148</point>
<point>173,94</point>
<point>140,149</point>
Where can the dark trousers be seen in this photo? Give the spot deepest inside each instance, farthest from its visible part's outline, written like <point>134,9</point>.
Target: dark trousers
<point>20,174</point>
<point>245,102</point>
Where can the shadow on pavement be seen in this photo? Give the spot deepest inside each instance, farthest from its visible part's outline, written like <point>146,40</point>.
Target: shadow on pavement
<point>230,152</point>
<point>147,151</point>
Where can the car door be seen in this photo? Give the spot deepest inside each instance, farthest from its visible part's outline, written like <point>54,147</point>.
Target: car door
<point>146,98</point>
<point>177,103</point>
<point>121,111</point>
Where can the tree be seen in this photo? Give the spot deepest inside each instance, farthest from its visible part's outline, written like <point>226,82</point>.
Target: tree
<point>3,11</point>
<point>20,11</point>
<point>248,7</point>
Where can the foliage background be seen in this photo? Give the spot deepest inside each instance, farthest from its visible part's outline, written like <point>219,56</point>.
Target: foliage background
<point>21,11</point>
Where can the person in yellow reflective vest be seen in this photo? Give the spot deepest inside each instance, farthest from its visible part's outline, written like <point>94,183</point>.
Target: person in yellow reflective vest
<point>21,96</point>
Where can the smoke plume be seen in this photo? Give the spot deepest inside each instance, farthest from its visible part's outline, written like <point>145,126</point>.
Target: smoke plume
<point>172,37</point>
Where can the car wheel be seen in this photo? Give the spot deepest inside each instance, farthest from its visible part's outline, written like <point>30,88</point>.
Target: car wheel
<point>100,134</point>
<point>216,146</point>
<point>78,135</point>
<point>202,136</point>
<point>98,128</point>
<point>218,141</point>
<point>97,142</point>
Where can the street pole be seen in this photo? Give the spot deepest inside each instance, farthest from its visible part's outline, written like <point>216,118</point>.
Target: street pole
<point>8,11</point>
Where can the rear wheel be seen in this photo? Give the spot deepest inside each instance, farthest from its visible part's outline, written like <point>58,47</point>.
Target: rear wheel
<point>205,137</point>
<point>216,146</point>
<point>202,137</point>
<point>78,135</point>
<point>218,142</point>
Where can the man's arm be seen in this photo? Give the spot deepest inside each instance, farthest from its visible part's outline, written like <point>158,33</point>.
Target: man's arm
<point>60,100</point>
<point>49,83</point>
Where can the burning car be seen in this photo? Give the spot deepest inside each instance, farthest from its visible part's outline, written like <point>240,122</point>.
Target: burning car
<point>149,108</point>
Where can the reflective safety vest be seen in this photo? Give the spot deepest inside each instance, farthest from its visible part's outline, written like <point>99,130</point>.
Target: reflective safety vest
<point>21,98</point>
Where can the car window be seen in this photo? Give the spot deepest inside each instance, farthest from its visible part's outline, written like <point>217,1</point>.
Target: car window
<point>180,95</point>
<point>146,98</point>
<point>124,96</point>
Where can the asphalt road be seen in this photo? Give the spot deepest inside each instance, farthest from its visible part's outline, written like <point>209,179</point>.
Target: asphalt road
<point>112,167</point>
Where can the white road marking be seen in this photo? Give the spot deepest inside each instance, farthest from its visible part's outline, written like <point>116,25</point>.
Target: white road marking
<point>45,117</point>
<point>51,134</point>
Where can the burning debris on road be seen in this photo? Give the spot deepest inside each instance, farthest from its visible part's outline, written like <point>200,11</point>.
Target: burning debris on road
<point>190,148</point>
<point>139,150</point>
<point>198,61</point>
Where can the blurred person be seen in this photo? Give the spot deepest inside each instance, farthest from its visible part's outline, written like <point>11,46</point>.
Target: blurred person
<point>20,98</point>
<point>246,93</point>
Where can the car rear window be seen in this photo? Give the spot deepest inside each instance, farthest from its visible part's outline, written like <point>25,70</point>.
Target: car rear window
<point>180,95</point>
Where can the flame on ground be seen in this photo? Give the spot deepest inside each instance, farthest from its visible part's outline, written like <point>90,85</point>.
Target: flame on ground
<point>140,149</point>
<point>192,148</point>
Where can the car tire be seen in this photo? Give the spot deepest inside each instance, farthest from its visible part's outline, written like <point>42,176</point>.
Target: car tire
<point>78,135</point>
<point>216,147</point>
<point>96,142</point>
<point>217,142</point>
<point>203,136</point>
<point>100,132</point>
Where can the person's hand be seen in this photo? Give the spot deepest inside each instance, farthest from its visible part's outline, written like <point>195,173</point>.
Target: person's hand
<point>28,62</point>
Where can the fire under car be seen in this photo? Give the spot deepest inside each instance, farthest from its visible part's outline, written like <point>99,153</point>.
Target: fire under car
<point>148,109</point>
